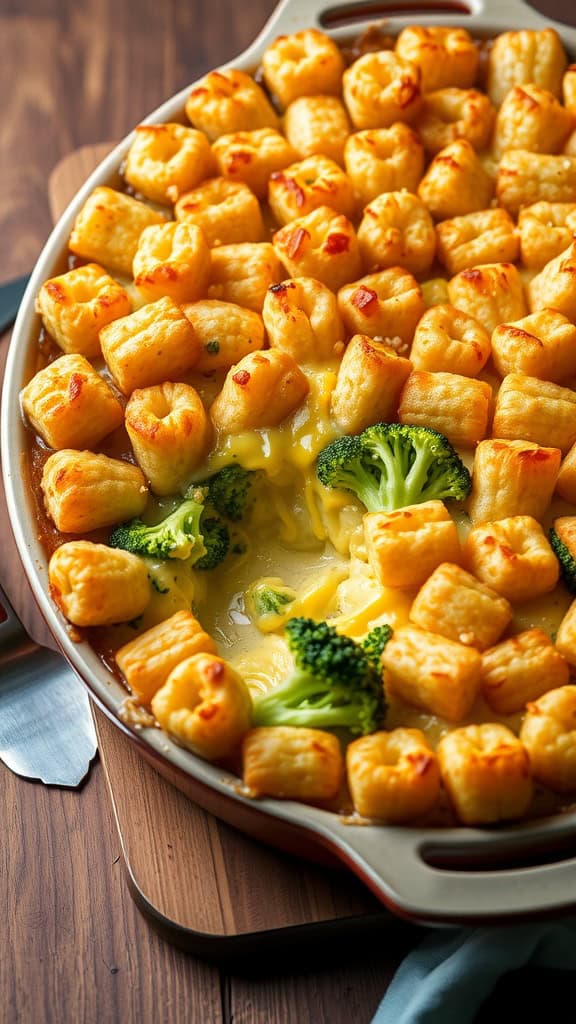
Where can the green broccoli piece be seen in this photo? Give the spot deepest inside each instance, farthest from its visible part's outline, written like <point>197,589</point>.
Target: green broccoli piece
<point>390,465</point>
<point>178,535</point>
<point>343,464</point>
<point>265,599</point>
<point>374,644</point>
<point>269,603</point>
<point>334,683</point>
<point>229,491</point>
<point>566,559</point>
<point>216,542</point>
<point>188,533</point>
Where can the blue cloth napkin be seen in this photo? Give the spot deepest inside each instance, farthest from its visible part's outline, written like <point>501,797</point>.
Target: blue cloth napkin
<point>11,293</point>
<point>446,979</point>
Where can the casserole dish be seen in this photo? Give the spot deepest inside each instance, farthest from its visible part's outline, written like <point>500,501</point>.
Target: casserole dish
<point>414,871</point>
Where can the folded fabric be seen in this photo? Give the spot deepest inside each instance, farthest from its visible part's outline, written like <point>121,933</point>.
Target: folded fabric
<point>11,293</point>
<point>446,979</point>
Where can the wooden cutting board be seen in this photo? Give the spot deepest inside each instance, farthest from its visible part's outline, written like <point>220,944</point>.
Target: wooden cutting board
<point>205,886</point>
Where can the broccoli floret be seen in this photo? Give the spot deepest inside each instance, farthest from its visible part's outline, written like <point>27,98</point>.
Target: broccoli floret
<point>566,559</point>
<point>179,535</point>
<point>334,683</point>
<point>229,491</point>
<point>390,465</point>
<point>188,533</point>
<point>343,465</point>
<point>216,542</point>
<point>269,603</point>
<point>268,600</point>
<point>375,642</point>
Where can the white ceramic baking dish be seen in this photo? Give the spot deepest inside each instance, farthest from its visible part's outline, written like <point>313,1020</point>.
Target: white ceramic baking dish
<point>428,875</point>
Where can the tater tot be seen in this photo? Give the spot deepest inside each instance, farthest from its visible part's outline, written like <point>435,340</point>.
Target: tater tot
<point>165,160</point>
<point>456,406</point>
<point>448,340</point>
<point>170,433</point>
<point>94,585</point>
<point>227,211</point>
<point>486,236</point>
<point>108,227</point>
<point>486,771</point>
<point>431,672</point>
<point>549,735</point>
<point>259,391</point>
<point>542,345</point>
<point>76,305</point>
<point>204,705</point>
<point>566,482</point>
<point>512,478</point>
<point>303,64</point>
<point>84,491</point>
<point>292,764</point>
<point>69,404</point>
<point>172,259</point>
<point>154,344</point>
<point>385,306</point>
<point>513,557</point>
<point>521,669</point>
<point>229,101</point>
<point>456,182</point>
<point>226,333</point>
<point>393,775</point>
<point>492,293</point>
<point>317,124</point>
<point>553,287</point>
<point>242,273</point>
<point>535,410</point>
<point>301,317</point>
<point>368,386</point>
<point>251,157</point>
<point>397,231</point>
<point>531,119</point>
<point>445,56</point>
<point>381,88</point>
<point>384,160</point>
<point>322,245</point>
<point>569,88</point>
<point>304,186</point>
<point>456,605</point>
<point>147,661</point>
<point>524,178</point>
<point>546,230</point>
<point>517,58</point>
<point>451,114</point>
<point>566,636</point>
<point>406,545</point>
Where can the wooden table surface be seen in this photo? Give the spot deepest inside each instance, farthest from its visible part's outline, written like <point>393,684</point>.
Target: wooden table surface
<point>74,948</point>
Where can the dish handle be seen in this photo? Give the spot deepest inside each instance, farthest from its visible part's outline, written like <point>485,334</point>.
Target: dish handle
<point>491,15</point>
<point>445,877</point>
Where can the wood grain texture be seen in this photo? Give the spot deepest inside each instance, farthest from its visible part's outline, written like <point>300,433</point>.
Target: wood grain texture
<point>74,947</point>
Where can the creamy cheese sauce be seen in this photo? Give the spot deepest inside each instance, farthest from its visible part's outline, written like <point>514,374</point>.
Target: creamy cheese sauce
<point>310,539</point>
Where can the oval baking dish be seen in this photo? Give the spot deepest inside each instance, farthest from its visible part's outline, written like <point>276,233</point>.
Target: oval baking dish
<point>430,875</point>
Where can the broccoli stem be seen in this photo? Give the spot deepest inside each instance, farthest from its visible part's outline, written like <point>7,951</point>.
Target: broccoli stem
<point>298,701</point>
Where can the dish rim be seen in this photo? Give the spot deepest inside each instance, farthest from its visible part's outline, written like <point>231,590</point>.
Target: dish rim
<point>486,17</point>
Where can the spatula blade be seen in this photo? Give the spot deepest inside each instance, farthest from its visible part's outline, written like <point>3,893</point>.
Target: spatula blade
<point>46,727</point>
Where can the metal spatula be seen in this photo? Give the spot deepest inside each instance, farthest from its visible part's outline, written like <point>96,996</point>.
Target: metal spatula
<point>46,728</point>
